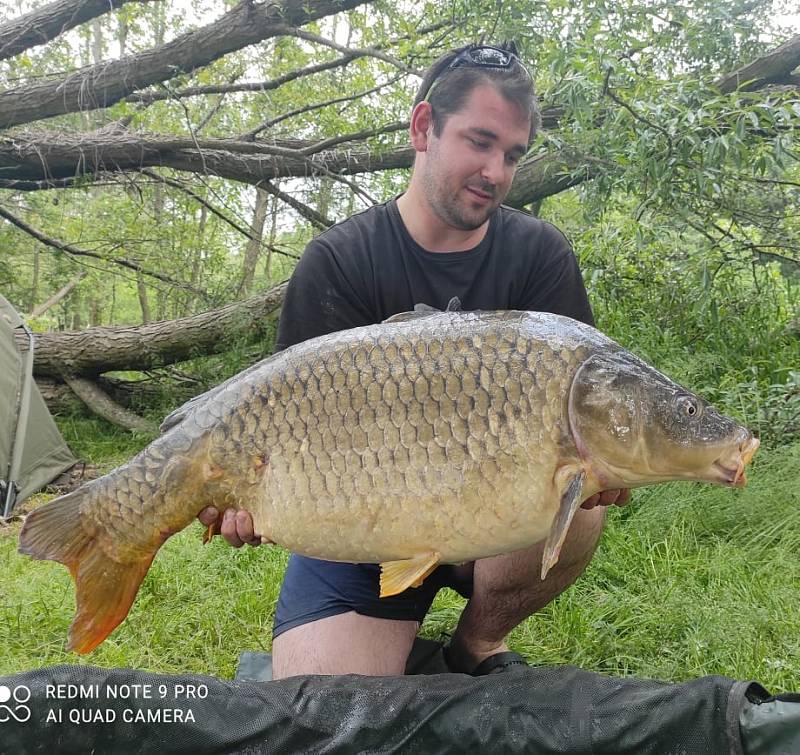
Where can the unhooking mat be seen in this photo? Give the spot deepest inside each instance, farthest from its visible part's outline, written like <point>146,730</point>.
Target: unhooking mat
<point>81,709</point>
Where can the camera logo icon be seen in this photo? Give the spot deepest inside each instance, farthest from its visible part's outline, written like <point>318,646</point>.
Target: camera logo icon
<point>12,704</point>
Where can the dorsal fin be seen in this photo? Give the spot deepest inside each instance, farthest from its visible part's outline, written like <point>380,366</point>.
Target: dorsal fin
<point>423,310</point>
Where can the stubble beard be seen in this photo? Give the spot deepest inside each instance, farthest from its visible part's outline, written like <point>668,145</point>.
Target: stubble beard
<point>446,206</point>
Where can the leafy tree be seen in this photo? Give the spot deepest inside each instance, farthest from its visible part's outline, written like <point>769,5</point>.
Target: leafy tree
<point>167,160</point>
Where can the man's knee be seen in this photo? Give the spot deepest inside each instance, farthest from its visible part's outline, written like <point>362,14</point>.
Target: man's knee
<point>347,643</point>
<point>520,571</point>
<point>583,537</point>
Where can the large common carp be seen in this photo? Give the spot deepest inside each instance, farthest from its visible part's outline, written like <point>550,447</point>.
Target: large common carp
<point>431,438</point>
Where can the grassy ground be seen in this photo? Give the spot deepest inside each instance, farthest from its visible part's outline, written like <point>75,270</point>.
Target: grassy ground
<point>688,580</point>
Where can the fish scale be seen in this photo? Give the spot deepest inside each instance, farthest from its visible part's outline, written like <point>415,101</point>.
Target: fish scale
<point>431,438</point>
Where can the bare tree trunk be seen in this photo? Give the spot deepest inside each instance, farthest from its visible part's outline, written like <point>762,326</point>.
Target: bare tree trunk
<point>159,23</point>
<point>122,34</point>
<point>158,217</point>
<point>144,302</point>
<point>35,281</point>
<point>97,41</point>
<point>95,310</point>
<point>253,249</point>
<point>112,315</point>
<point>324,196</point>
<point>104,349</point>
<point>273,234</point>
<point>77,304</point>
<point>196,259</point>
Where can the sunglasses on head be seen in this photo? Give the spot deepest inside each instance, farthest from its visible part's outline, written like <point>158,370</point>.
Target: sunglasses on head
<point>479,56</point>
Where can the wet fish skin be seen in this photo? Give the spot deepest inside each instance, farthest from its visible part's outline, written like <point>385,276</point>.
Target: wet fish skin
<point>433,438</point>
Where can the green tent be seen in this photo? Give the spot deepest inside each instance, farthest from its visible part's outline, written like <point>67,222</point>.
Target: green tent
<point>32,451</point>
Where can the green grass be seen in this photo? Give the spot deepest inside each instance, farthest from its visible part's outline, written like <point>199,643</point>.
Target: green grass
<point>688,580</point>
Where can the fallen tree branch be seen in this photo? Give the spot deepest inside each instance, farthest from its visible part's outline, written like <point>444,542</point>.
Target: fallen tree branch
<point>774,67</point>
<point>355,136</point>
<point>127,393</point>
<point>271,84</point>
<point>210,207</point>
<point>543,176</point>
<point>372,52</point>
<point>253,133</point>
<point>89,352</point>
<point>58,296</point>
<point>102,85</point>
<point>309,213</point>
<point>99,402</point>
<point>58,183</point>
<point>255,86</point>
<point>50,21</point>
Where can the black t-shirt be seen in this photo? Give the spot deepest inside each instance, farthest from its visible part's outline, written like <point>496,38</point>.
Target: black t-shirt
<point>368,267</point>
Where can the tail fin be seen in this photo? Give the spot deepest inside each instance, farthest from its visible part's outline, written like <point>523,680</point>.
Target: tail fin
<point>105,588</point>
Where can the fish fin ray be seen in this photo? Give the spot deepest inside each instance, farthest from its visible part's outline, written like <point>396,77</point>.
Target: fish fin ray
<point>571,500</point>
<point>104,588</point>
<point>423,310</point>
<point>104,592</point>
<point>397,576</point>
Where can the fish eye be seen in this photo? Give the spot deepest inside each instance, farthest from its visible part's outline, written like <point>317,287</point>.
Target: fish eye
<point>689,407</point>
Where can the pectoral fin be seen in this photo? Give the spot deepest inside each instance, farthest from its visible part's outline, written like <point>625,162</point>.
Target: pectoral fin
<point>571,499</point>
<point>397,576</point>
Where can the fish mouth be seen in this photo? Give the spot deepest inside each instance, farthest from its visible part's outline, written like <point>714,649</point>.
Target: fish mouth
<point>731,472</point>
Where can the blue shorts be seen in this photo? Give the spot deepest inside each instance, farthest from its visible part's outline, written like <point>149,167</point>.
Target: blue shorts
<point>315,589</point>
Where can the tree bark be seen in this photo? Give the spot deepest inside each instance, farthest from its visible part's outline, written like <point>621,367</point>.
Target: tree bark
<point>250,162</point>
<point>546,175</point>
<point>773,68</point>
<point>103,405</point>
<point>41,157</point>
<point>90,352</point>
<point>273,233</point>
<point>46,23</point>
<point>59,397</point>
<point>101,86</point>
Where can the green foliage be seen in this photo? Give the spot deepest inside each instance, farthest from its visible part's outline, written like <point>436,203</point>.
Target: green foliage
<point>636,83</point>
<point>721,325</point>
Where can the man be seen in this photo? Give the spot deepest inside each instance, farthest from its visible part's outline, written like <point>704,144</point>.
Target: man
<point>446,236</point>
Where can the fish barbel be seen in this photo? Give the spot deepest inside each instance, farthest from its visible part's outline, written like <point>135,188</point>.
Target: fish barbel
<point>431,438</point>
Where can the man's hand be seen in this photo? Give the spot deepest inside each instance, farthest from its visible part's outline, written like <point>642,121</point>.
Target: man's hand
<point>236,526</point>
<point>608,498</point>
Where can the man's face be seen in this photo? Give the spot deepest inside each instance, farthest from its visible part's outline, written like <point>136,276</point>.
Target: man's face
<point>468,170</point>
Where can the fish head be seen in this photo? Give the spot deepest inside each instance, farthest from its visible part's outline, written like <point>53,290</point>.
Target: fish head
<point>634,426</point>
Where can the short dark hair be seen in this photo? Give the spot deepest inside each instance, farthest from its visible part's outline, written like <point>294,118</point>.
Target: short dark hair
<point>447,89</point>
